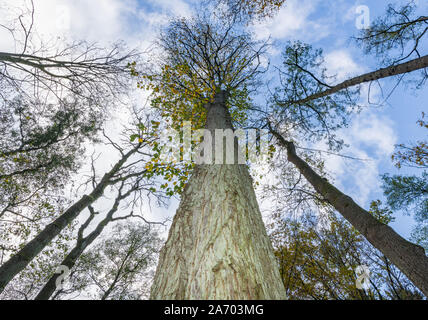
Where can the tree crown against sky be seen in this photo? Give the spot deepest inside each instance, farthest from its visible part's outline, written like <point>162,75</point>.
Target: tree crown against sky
<point>211,54</point>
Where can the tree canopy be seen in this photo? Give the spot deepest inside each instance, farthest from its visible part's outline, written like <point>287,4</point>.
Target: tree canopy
<point>83,175</point>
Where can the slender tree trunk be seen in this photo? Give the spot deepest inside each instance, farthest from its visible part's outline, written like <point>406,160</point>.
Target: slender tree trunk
<point>406,67</point>
<point>81,245</point>
<point>408,257</point>
<point>217,246</point>
<point>23,257</point>
<point>108,292</point>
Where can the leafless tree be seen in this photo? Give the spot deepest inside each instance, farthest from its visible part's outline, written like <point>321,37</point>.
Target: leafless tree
<point>38,68</point>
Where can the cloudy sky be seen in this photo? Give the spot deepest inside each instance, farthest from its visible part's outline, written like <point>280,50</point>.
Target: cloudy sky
<point>325,24</point>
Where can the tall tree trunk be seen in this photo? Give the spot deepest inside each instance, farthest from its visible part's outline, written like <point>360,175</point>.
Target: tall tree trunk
<point>217,246</point>
<point>23,257</point>
<point>394,70</point>
<point>408,257</point>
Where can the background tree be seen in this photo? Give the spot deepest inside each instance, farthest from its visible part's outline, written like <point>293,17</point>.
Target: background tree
<point>397,35</point>
<point>118,267</point>
<point>126,188</point>
<point>41,70</point>
<point>303,74</point>
<point>381,236</point>
<point>410,192</point>
<point>304,81</point>
<point>131,170</point>
<point>395,38</point>
<point>41,148</point>
<point>304,107</point>
<point>54,101</point>
<point>256,9</point>
<point>319,255</point>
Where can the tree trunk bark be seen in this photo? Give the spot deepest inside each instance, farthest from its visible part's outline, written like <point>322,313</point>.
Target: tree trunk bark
<point>406,67</point>
<point>408,257</point>
<point>218,246</point>
<point>23,257</point>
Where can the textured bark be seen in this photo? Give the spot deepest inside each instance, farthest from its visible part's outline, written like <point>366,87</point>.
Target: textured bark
<point>23,257</point>
<point>408,257</point>
<point>406,67</point>
<point>217,246</point>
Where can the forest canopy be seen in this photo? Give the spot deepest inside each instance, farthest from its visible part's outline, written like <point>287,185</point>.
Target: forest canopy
<point>213,149</point>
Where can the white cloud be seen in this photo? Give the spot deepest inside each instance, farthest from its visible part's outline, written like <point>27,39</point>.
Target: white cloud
<point>6,41</point>
<point>341,64</point>
<point>351,13</point>
<point>103,21</point>
<point>95,20</point>
<point>375,131</point>
<point>176,7</point>
<point>371,137</point>
<point>291,21</point>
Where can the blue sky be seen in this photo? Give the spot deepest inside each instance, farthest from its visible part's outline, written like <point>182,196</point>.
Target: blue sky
<point>325,24</point>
